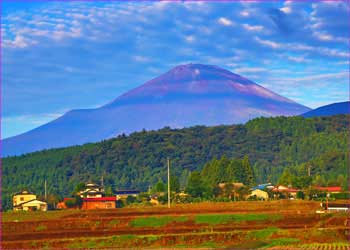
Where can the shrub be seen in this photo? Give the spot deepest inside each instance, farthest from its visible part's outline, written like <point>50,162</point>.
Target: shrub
<point>120,204</point>
<point>300,195</point>
<point>130,199</point>
<point>77,201</point>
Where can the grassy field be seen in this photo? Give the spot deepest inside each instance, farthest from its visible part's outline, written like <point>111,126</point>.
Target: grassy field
<point>235,225</point>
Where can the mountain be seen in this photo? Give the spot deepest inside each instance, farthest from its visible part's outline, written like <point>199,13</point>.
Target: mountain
<point>187,95</point>
<point>340,108</point>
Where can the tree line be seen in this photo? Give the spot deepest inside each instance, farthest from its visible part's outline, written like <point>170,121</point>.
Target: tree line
<point>138,160</point>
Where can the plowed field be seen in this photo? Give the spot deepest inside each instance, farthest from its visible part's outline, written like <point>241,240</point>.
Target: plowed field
<point>236,225</point>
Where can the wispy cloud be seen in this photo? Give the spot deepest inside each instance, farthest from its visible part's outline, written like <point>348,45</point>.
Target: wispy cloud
<point>253,27</point>
<point>250,70</point>
<point>225,21</point>
<point>139,58</point>
<point>303,47</point>
<point>297,59</point>
<point>268,43</point>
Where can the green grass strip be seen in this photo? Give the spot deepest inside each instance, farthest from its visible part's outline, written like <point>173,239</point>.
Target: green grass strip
<point>214,219</point>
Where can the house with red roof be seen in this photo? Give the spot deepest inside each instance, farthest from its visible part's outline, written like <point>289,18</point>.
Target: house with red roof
<point>289,192</point>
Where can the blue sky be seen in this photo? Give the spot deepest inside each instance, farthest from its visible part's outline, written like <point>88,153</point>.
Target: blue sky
<point>60,56</point>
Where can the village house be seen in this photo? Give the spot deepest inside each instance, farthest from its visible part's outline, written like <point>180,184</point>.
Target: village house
<point>99,203</point>
<point>92,198</point>
<point>293,192</point>
<point>287,192</point>
<point>259,194</point>
<point>34,205</point>
<point>280,188</point>
<point>91,190</point>
<point>26,201</point>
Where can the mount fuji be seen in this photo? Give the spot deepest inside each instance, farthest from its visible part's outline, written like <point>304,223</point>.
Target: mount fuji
<point>187,95</point>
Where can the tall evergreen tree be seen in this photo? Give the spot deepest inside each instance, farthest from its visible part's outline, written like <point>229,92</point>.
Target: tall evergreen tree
<point>248,172</point>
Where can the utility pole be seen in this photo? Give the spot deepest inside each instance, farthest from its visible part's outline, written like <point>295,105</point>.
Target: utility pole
<point>102,186</point>
<point>45,190</point>
<point>168,183</point>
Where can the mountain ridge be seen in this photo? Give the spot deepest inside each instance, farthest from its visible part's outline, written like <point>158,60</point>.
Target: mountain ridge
<point>338,108</point>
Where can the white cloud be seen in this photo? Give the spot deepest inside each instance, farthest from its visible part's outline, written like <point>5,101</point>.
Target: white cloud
<point>322,36</point>
<point>19,42</point>
<point>338,75</point>
<point>268,43</point>
<point>60,26</point>
<point>77,16</point>
<point>225,21</point>
<point>141,59</point>
<point>343,63</point>
<point>253,27</point>
<point>298,59</point>
<point>244,13</point>
<point>286,9</point>
<point>189,39</point>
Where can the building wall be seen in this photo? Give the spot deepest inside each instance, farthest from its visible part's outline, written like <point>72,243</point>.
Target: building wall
<point>21,198</point>
<point>92,196</point>
<point>98,205</point>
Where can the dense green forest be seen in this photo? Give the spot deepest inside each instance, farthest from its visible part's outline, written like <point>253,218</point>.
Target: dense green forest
<point>139,160</point>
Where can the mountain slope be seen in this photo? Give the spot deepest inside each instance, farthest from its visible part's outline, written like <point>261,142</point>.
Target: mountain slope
<point>187,95</point>
<point>340,108</point>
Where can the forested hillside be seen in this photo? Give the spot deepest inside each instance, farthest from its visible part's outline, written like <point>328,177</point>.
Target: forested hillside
<point>139,160</point>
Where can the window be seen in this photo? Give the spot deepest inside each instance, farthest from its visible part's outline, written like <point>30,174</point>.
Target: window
<point>22,199</point>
